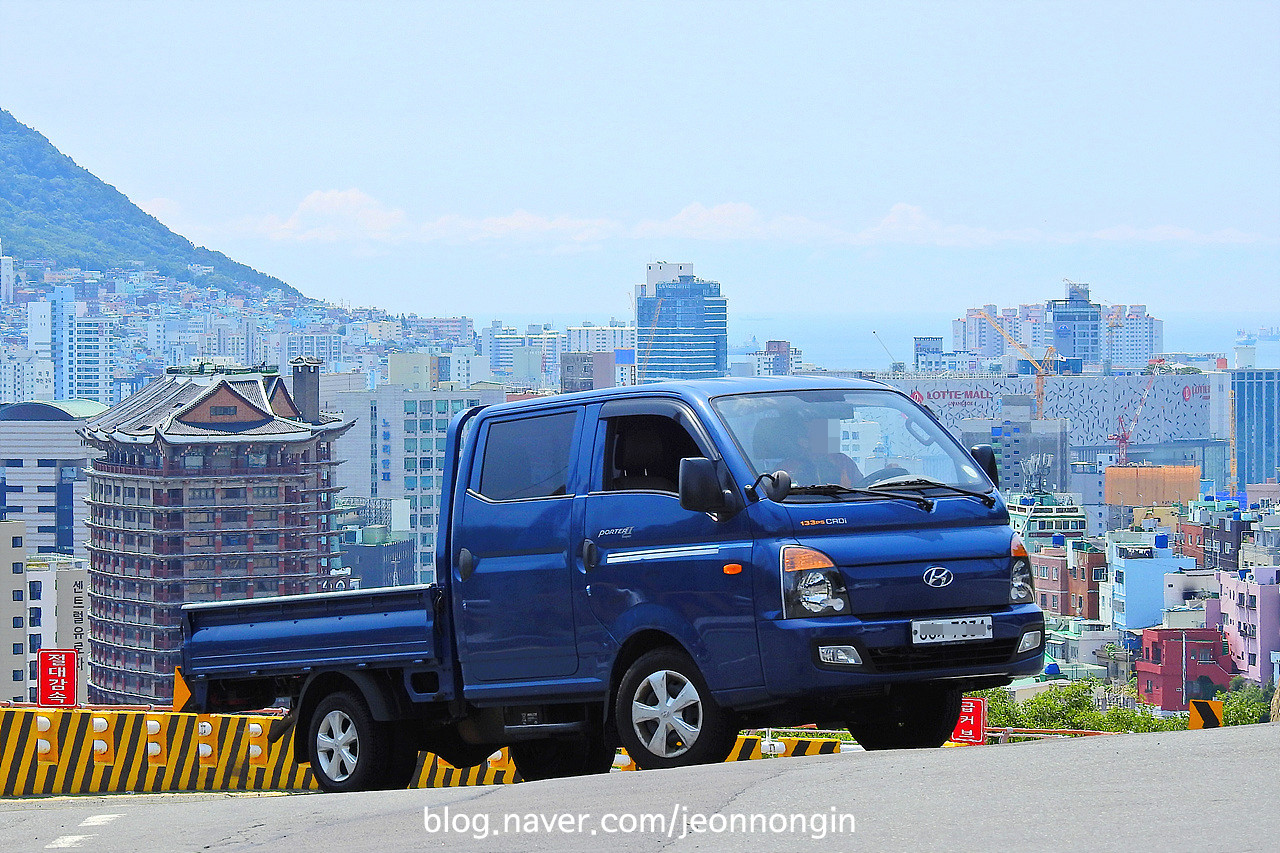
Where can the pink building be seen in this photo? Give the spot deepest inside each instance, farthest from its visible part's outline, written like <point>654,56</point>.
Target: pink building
<point>1249,618</point>
<point>1049,566</point>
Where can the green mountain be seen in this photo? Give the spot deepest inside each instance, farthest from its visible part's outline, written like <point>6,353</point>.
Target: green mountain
<point>51,208</point>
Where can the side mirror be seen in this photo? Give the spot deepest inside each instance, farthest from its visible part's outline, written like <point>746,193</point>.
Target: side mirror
<point>776,486</point>
<point>700,487</point>
<point>986,459</point>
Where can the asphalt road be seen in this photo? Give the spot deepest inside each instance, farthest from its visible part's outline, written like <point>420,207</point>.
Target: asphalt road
<point>1214,790</point>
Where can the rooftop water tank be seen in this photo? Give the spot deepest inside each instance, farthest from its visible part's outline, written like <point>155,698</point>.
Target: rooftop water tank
<point>1162,540</point>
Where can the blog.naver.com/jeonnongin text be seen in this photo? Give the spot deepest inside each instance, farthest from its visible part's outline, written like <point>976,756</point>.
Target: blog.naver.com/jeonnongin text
<point>680,822</point>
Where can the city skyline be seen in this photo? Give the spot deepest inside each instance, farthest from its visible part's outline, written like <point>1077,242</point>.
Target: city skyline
<point>1018,146</point>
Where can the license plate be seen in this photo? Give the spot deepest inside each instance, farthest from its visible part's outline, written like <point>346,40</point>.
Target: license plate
<point>951,630</point>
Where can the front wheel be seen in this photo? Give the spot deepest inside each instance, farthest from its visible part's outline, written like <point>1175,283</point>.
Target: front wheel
<point>350,751</point>
<point>911,717</point>
<point>666,716</point>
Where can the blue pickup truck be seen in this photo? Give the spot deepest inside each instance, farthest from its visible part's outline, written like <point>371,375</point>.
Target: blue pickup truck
<point>655,567</point>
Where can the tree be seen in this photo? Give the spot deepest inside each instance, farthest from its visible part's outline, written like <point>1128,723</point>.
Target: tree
<point>1072,706</point>
<point>1250,704</point>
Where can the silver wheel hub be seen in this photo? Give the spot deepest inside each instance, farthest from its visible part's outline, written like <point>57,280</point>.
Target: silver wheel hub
<point>338,745</point>
<point>666,713</point>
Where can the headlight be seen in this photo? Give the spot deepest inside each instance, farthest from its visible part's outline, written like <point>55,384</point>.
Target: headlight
<point>811,584</point>
<point>1022,587</point>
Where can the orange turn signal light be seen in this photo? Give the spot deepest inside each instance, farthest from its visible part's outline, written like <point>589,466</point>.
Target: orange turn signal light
<point>732,568</point>
<point>797,558</point>
<point>1017,548</point>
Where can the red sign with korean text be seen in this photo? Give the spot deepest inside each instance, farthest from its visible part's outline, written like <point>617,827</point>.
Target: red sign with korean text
<point>56,686</point>
<point>972,725</point>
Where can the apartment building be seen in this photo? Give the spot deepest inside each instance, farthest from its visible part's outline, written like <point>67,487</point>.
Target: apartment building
<point>215,483</point>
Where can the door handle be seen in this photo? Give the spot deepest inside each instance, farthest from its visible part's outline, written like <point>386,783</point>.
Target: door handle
<point>466,564</point>
<point>590,554</point>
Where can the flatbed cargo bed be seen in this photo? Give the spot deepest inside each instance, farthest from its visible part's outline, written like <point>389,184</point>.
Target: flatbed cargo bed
<point>290,635</point>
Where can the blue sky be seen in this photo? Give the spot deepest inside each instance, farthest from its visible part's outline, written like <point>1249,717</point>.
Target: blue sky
<point>834,165</point>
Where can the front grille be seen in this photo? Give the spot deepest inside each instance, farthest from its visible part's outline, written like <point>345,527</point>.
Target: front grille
<point>910,658</point>
<point>889,615</point>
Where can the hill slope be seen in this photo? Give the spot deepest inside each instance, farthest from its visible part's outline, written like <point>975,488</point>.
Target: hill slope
<point>52,208</point>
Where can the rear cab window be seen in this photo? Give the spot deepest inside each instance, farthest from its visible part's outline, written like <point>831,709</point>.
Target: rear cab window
<point>526,458</point>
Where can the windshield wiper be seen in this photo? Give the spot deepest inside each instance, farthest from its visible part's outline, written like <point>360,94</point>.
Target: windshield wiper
<point>917,482</point>
<point>834,490</point>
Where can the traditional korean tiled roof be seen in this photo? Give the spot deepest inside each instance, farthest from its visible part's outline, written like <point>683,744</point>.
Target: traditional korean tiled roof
<point>182,407</point>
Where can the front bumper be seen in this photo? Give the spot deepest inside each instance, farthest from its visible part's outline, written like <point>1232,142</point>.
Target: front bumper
<point>789,650</point>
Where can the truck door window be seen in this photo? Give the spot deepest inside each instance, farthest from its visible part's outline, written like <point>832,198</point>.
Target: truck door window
<point>643,453</point>
<point>527,458</point>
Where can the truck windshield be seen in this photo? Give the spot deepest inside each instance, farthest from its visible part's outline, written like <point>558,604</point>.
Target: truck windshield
<point>846,438</point>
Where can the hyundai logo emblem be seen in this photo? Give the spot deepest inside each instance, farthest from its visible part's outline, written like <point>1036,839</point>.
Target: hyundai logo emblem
<point>938,576</point>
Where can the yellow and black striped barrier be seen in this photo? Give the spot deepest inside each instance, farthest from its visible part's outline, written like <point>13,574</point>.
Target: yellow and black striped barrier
<point>101,751</point>
<point>794,746</point>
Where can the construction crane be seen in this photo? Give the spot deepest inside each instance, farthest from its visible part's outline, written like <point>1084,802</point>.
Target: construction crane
<point>643,368</point>
<point>1039,366</point>
<point>892,361</point>
<point>1124,432</point>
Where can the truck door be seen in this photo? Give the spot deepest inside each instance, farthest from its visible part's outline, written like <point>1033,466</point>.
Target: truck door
<point>512,581</point>
<point>648,563</point>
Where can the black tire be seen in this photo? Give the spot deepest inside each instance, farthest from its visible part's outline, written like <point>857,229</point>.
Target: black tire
<point>349,750</point>
<point>674,732</point>
<point>585,755</point>
<point>911,717</point>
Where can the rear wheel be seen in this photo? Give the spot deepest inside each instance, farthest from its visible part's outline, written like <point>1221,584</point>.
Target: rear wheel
<point>911,717</point>
<point>349,749</point>
<point>666,716</point>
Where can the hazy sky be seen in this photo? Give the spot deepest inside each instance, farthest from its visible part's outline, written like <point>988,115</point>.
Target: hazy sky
<point>832,164</point>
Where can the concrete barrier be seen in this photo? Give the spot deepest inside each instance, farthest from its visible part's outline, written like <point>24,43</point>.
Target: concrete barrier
<point>49,752</point>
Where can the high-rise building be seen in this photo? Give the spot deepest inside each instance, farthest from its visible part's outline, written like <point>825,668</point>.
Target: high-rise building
<point>325,346</point>
<point>592,338</point>
<point>975,334</point>
<point>82,346</point>
<point>1255,396</point>
<point>216,484</point>
<point>681,326</point>
<point>42,481</point>
<point>1076,325</point>
<point>1131,336</point>
<point>398,451</point>
<point>504,346</point>
<point>89,360</point>
<point>1115,336</point>
<point>6,278</point>
<point>1034,454</point>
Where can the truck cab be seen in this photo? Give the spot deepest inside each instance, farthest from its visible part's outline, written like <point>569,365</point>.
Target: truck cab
<point>785,551</point>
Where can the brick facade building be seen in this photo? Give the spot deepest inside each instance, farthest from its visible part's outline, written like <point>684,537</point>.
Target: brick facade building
<point>215,485</point>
